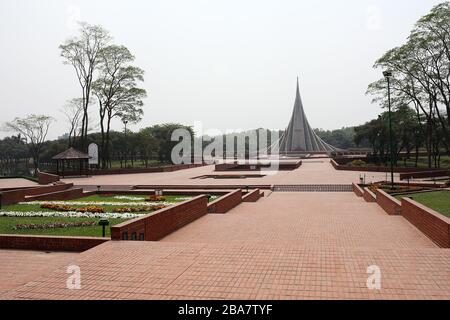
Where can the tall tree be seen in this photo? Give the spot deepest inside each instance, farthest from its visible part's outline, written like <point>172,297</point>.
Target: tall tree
<point>73,111</point>
<point>421,78</point>
<point>35,129</point>
<point>117,92</point>
<point>83,53</point>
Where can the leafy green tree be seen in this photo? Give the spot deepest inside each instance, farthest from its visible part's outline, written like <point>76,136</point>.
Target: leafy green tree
<point>34,128</point>
<point>163,133</point>
<point>83,53</point>
<point>117,92</point>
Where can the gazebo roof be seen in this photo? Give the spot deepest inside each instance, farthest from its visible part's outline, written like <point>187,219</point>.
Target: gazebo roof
<point>71,154</point>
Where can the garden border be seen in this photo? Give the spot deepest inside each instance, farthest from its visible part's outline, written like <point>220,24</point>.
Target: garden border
<point>49,243</point>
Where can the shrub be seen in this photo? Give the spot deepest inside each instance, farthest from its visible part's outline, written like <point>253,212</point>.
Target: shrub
<point>358,163</point>
<point>65,208</point>
<point>155,198</point>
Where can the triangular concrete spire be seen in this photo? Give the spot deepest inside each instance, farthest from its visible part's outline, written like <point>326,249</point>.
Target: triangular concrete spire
<point>299,137</point>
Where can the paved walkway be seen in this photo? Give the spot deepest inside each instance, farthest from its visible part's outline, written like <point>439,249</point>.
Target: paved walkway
<point>18,267</point>
<point>313,219</point>
<point>312,171</point>
<point>285,246</point>
<point>17,183</point>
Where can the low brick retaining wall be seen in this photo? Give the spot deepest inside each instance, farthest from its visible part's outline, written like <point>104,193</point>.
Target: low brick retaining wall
<point>59,195</point>
<point>202,186</point>
<point>357,190</point>
<point>226,202</point>
<point>49,243</point>
<point>433,224</point>
<point>167,168</point>
<point>345,167</point>
<point>415,184</point>
<point>391,205</point>
<point>369,196</point>
<point>424,174</point>
<point>46,178</point>
<point>252,196</point>
<point>158,224</point>
<point>282,166</point>
<point>18,195</point>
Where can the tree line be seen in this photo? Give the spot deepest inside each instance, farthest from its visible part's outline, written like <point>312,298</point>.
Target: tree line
<point>420,87</point>
<point>144,148</point>
<point>109,83</point>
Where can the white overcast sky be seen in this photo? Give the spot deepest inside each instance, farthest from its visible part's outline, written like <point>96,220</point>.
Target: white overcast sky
<point>229,64</point>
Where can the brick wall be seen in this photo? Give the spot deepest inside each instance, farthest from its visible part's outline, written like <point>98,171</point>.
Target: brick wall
<point>433,224</point>
<point>48,189</point>
<point>18,195</point>
<point>168,168</point>
<point>357,190</point>
<point>424,174</point>
<point>338,166</point>
<point>252,196</point>
<point>158,224</point>
<point>12,196</point>
<point>58,195</point>
<point>369,196</point>
<point>282,165</point>
<point>226,202</point>
<point>49,243</point>
<point>201,186</point>
<point>46,178</point>
<point>391,205</point>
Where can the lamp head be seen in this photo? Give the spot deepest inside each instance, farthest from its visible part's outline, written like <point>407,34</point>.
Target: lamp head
<point>387,74</point>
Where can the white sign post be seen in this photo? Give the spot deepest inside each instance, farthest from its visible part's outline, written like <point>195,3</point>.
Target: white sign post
<point>93,153</point>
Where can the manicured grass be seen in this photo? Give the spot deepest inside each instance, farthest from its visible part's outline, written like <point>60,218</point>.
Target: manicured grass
<point>7,223</point>
<point>112,198</point>
<point>7,226</point>
<point>438,200</point>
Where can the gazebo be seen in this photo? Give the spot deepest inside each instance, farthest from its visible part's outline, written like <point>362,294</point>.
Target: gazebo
<point>72,156</point>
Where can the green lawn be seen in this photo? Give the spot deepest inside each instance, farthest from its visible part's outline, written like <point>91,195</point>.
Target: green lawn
<point>438,200</point>
<point>112,198</point>
<point>7,223</point>
<point>7,226</point>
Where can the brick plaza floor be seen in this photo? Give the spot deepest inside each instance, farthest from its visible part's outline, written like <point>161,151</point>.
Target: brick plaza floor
<point>285,246</point>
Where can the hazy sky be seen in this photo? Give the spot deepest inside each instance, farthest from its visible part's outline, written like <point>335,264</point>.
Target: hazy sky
<point>229,64</point>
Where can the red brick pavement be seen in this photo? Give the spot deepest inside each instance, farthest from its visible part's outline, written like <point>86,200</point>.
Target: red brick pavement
<point>19,266</point>
<point>286,246</point>
<point>163,270</point>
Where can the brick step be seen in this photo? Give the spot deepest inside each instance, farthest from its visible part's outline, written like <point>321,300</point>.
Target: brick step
<point>68,194</point>
<point>313,188</point>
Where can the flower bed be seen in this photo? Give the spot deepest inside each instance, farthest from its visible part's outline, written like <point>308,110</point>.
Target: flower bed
<point>69,214</point>
<point>96,203</point>
<point>155,198</point>
<point>140,209</point>
<point>54,225</point>
<point>66,208</point>
<point>397,189</point>
<point>130,198</point>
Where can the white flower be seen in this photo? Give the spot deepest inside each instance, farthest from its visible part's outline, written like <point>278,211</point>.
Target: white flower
<point>129,198</point>
<point>70,214</point>
<point>183,198</point>
<point>99,203</point>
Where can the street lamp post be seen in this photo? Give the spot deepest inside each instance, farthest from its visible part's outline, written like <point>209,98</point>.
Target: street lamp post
<point>125,122</point>
<point>388,74</point>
